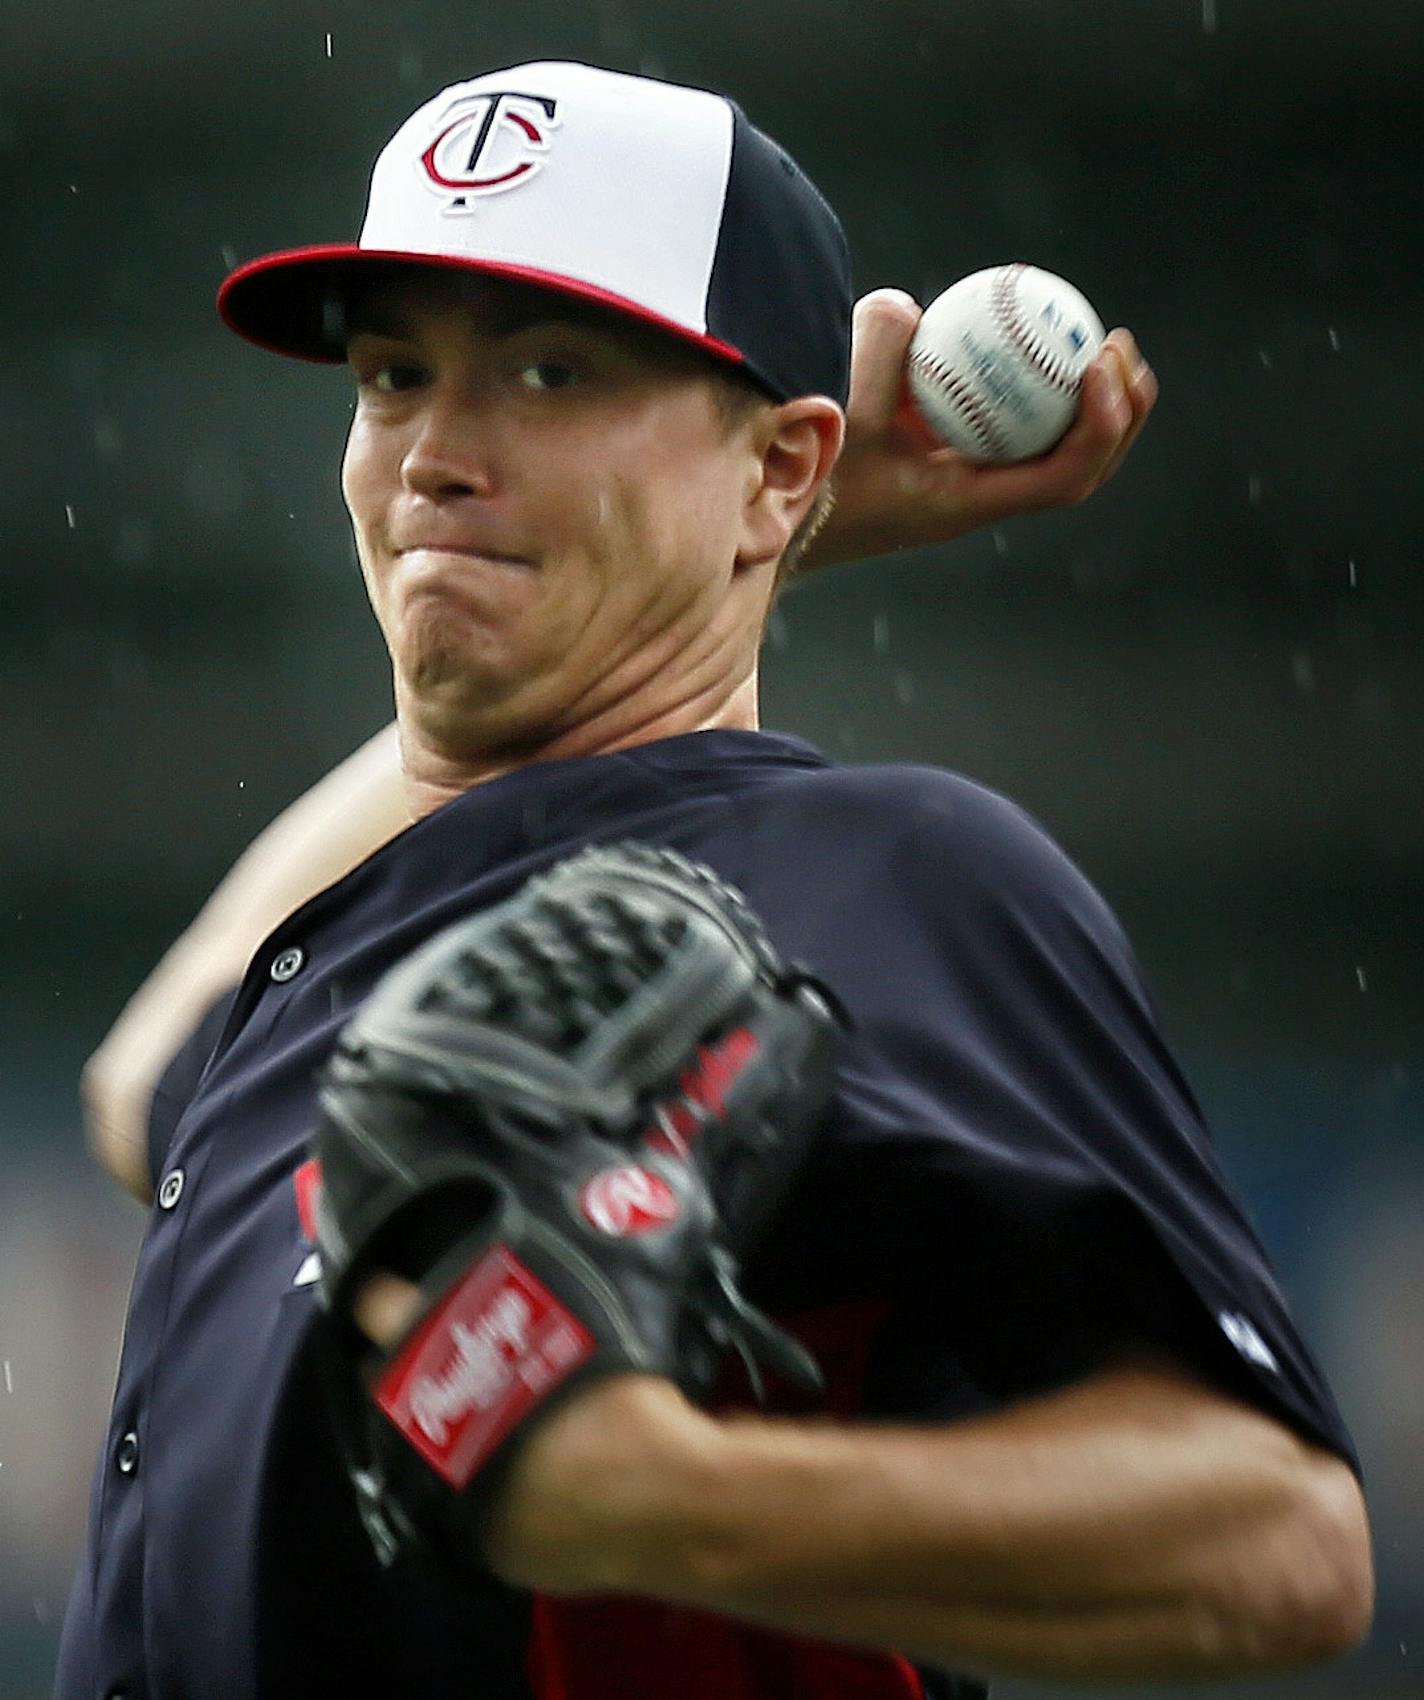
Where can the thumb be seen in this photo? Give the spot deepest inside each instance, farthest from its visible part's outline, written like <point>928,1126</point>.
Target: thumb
<point>882,326</point>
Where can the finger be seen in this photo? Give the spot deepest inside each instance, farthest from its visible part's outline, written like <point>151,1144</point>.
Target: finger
<point>1081,461</point>
<point>1141,389</point>
<point>881,329</point>
<point>1138,379</point>
<point>1121,343</point>
<point>385,1306</point>
<point>1119,391</point>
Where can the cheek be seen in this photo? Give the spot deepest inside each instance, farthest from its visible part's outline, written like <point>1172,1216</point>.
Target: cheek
<point>359,489</point>
<point>356,471</point>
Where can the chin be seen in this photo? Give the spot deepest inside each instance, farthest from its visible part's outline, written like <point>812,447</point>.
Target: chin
<point>439,646</point>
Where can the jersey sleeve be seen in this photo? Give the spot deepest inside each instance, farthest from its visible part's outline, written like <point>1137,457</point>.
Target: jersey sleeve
<point>1023,1153</point>
<point>179,1081</point>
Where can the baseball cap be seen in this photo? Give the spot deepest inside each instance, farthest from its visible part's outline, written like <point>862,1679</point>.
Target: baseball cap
<point>661,202</point>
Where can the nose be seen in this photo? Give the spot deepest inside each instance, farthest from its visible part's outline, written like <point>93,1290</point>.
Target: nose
<point>452,451</point>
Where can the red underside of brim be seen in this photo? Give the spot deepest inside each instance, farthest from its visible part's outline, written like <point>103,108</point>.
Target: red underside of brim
<point>276,301</point>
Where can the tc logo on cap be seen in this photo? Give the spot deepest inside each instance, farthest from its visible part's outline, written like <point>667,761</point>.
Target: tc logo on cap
<point>488,143</point>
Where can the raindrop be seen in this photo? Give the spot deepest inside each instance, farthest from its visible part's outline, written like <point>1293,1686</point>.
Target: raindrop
<point>1208,17</point>
<point>9,1379</point>
<point>133,546</point>
<point>1353,580</point>
<point>74,188</point>
<point>904,689</point>
<point>1334,336</point>
<point>1264,356</point>
<point>328,44</point>
<point>881,629</point>
<point>213,486</point>
<point>228,256</point>
<point>776,633</point>
<point>1360,976</point>
<point>41,1610</point>
<point>1001,543</point>
<point>108,438</point>
<point>1303,669</point>
<point>69,515</point>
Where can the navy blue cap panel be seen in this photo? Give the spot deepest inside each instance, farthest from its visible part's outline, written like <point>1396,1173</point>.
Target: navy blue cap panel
<point>781,278</point>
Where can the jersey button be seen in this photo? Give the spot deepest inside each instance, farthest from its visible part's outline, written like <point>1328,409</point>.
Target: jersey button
<point>126,1454</point>
<point>288,963</point>
<point>171,1190</point>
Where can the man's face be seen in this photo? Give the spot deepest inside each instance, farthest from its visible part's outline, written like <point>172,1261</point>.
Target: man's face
<point>548,509</point>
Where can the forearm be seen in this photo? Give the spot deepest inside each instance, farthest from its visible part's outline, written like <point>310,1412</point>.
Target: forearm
<point>1135,1526</point>
<point>347,814</point>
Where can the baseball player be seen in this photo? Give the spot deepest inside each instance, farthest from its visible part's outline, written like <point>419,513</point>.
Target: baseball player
<point>1063,1425</point>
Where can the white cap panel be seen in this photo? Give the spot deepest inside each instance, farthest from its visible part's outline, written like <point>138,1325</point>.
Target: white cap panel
<point>530,167</point>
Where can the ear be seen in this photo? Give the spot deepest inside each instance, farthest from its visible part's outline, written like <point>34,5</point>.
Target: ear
<point>795,446</point>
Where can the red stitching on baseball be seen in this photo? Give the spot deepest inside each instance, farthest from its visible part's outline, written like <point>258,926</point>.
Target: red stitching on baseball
<point>961,396</point>
<point>1004,303</point>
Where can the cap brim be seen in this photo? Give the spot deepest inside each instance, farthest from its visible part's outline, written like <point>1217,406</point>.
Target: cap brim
<point>297,302</point>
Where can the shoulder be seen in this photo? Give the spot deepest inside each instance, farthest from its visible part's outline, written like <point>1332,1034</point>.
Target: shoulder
<point>938,836</point>
<point>886,800</point>
<point>859,868</point>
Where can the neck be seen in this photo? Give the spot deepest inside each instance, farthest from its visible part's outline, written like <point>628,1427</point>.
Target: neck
<point>437,769</point>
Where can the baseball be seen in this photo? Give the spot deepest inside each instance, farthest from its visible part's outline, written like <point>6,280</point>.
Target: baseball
<point>997,360</point>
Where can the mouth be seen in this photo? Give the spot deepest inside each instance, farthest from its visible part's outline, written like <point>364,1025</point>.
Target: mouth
<point>462,552</point>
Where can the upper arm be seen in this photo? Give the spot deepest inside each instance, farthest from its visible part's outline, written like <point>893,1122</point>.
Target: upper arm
<point>339,821</point>
<point>140,1080</point>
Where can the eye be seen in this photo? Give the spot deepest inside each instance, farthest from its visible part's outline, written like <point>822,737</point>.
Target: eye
<point>393,377</point>
<point>545,376</point>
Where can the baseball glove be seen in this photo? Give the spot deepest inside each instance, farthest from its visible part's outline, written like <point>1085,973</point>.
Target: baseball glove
<point>568,1120</point>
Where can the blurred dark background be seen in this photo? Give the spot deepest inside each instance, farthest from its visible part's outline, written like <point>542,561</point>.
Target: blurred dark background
<point>1207,682</point>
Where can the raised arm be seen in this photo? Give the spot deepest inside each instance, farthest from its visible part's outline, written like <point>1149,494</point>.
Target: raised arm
<point>349,813</point>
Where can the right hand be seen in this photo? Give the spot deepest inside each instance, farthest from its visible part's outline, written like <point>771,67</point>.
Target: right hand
<point>895,489</point>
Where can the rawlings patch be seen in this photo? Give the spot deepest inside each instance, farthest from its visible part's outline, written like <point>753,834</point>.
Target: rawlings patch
<point>495,1346</point>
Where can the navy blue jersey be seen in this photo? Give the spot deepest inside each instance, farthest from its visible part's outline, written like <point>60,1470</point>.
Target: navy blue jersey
<point>1012,1183</point>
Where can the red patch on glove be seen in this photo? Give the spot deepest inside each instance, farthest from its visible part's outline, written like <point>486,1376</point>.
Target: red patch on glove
<point>492,1349</point>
